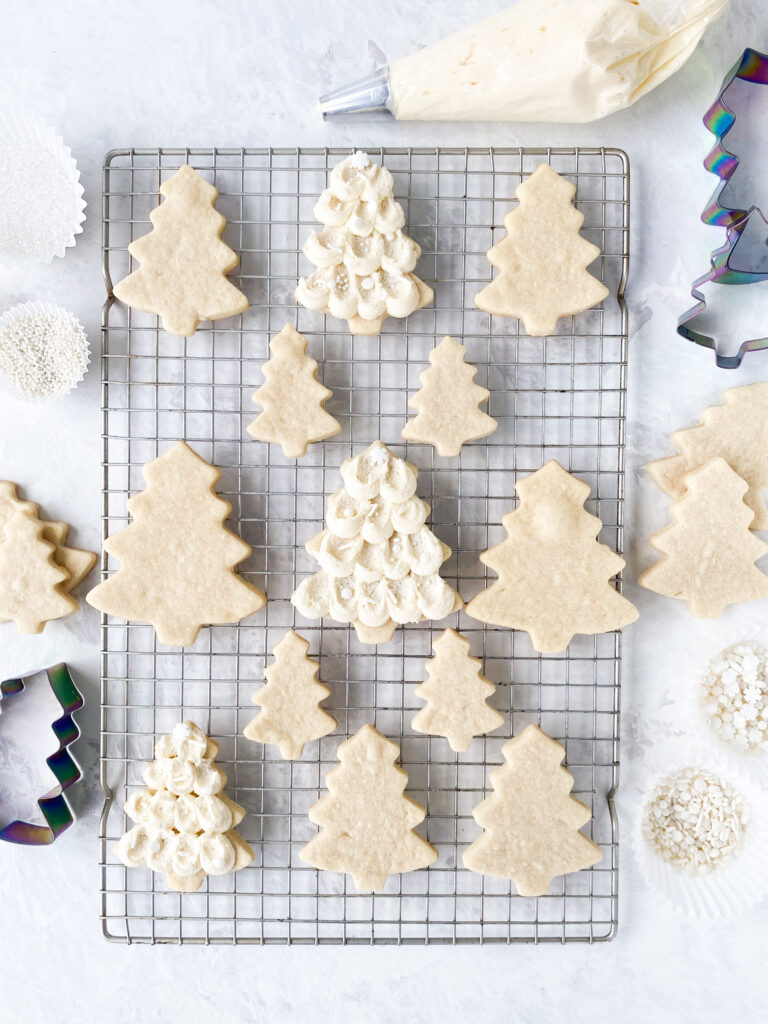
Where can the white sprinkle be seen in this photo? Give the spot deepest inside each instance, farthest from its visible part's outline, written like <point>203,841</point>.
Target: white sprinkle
<point>43,354</point>
<point>346,593</point>
<point>359,160</point>
<point>378,454</point>
<point>367,283</point>
<point>695,821</point>
<point>735,695</point>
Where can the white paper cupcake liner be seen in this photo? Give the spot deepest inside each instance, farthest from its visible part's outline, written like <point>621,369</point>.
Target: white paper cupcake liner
<point>81,359</point>
<point>752,762</point>
<point>742,881</point>
<point>41,205</point>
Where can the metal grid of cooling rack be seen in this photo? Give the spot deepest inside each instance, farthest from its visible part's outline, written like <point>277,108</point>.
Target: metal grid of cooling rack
<point>560,397</point>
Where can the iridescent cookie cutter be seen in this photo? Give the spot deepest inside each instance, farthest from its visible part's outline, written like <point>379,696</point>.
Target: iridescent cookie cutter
<point>752,67</point>
<point>56,810</point>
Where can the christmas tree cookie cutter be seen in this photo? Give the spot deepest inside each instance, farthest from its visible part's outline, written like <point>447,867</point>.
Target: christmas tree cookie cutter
<point>752,67</point>
<point>54,805</point>
<point>743,258</point>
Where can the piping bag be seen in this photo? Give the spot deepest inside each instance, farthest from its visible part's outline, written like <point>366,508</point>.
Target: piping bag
<point>539,60</point>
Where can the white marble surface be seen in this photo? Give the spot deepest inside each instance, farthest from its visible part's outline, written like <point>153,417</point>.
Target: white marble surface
<point>247,72</point>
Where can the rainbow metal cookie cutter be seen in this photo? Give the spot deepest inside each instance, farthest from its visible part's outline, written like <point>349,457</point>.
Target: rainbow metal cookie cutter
<point>56,811</point>
<point>743,258</point>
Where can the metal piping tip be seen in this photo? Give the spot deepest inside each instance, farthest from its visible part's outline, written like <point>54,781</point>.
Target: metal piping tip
<point>368,98</point>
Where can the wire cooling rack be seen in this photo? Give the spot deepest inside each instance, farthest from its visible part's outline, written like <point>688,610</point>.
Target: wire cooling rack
<point>561,397</point>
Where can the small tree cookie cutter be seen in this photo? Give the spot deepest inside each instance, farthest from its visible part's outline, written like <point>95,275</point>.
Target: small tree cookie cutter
<point>743,258</point>
<point>56,810</point>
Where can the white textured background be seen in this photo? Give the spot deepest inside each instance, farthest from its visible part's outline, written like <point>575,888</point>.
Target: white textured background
<point>247,72</point>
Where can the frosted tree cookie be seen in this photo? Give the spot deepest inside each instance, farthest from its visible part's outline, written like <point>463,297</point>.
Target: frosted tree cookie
<point>366,823</point>
<point>554,575</point>
<point>543,260</point>
<point>292,398</point>
<point>456,692</point>
<point>531,822</point>
<point>31,582</point>
<point>185,825</point>
<point>709,551</point>
<point>363,258</point>
<point>177,557</point>
<point>448,403</point>
<point>183,260</point>
<point>736,431</point>
<point>290,713</point>
<point>379,562</point>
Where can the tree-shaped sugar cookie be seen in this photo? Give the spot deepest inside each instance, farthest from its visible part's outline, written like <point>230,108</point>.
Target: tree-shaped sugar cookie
<point>531,822</point>
<point>709,549</point>
<point>177,557</point>
<point>183,260</point>
<point>456,692</point>
<point>31,582</point>
<point>553,574</point>
<point>447,405</point>
<point>379,562</point>
<point>292,398</point>
<point>364,260</point>
<point>543,260</point>
<point>736,431</point>
<point>185,825</point>
<point>290,713</point>
<point>366,823</point>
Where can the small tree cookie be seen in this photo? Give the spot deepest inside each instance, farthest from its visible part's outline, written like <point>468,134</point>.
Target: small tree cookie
<point>456,692</point>
<point>291,398</point>
<point>31,582</point>
<point>366,823</point>
<point>709,549</point>
<point>553,574</point>
<point>185,826</point>
<point>736,431</point>
<point>531,822</point>
<point>291,714</point>
<point>379,562</point>
<point>543,260</point>
<point>447,405</point>
<point>183,259</point>
<point>364,260</point>
<point>177,557</point>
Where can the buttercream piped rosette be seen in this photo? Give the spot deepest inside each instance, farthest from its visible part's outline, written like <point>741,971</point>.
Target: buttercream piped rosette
<point>364,260</point>
<point>185,824</point>
<point>379,561</point>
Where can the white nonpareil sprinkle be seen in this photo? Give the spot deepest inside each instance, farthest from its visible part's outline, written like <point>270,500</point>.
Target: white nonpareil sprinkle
<point>359,160</point>
<point>43,354</point>
<point>735,696</point>
<point>695,821</point>
<point>38,204</point>
<point>379,454</point>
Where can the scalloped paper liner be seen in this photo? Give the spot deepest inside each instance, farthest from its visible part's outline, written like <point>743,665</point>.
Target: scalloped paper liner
<point>25,309</point>
<point>33,132</point>
<point>742,882</point>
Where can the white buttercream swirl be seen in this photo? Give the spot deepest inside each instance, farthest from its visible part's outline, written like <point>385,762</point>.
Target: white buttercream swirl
<point>144,846</point>
<point>350,598</point>
<point>363,259</point>
<point>151,808</point>
<point>216,853</point>
<point>195,814</point>
<point>186,740</point>
<point>181,777</point>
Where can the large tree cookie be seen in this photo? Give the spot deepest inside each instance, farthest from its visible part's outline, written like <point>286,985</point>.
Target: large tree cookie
<point>183,260</point>
<point>366,823</point>
<point>292,398</point>
<point>709,551</point>
<point>736,431</point>
<point>364,260</point>
<point>543,260</point>
<point>379,562</point>
<point>31,581</point>
<point>447,405</point>
<point>185,825</point>
<point>456,692</point>
<point>290,713</point>
<point>531,822</point>
<point>177,557</point>
<point>553,574</point>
